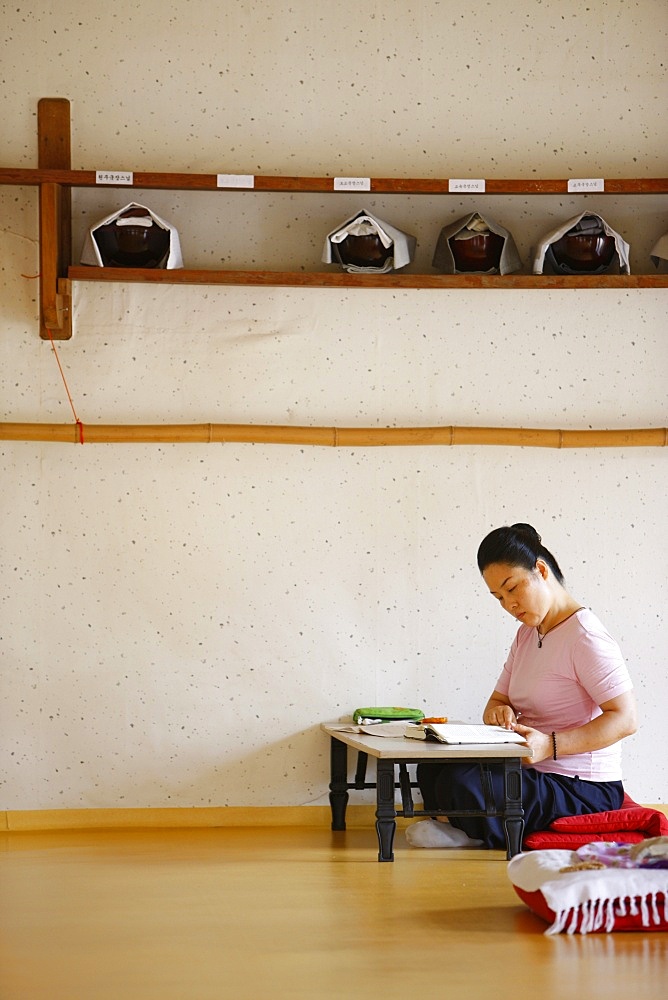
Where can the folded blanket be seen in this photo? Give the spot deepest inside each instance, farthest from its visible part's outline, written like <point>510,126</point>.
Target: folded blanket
<point>628,825</point>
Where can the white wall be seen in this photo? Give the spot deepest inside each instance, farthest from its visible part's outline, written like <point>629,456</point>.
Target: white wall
<point>177,619</point>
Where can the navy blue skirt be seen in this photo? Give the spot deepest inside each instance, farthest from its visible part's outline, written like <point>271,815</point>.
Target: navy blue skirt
<point>545,797</point>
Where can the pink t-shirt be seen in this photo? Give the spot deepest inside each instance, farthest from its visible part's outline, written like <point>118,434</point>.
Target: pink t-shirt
<point>561,685</point>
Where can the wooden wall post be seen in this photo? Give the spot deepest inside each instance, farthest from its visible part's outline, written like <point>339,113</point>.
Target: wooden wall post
<point>55,219</point>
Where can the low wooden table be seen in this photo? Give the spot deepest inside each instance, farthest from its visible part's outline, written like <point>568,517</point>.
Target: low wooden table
<point>392,753</point>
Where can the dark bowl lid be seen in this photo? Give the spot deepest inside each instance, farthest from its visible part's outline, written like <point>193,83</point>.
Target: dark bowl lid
<point>584,251</point>
<point>131,246</point>
<point>481,252</point>
<point>364,251</point>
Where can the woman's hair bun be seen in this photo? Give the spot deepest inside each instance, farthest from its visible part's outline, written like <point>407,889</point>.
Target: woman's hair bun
<point>529,531</point>
<point>517,545</point>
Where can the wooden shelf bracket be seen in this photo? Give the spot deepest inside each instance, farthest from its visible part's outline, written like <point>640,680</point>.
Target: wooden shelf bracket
<point>55,220</point>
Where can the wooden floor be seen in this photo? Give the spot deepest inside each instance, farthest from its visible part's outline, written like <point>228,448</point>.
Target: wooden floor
<point>256,913</point>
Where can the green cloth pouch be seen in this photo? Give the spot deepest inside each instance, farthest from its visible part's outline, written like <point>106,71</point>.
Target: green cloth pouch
<point>388,714</point>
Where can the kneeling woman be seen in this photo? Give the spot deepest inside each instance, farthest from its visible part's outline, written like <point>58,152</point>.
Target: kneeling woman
<point>565,688</point>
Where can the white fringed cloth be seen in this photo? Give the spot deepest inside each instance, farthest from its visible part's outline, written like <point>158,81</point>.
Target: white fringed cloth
<point>597,899</point>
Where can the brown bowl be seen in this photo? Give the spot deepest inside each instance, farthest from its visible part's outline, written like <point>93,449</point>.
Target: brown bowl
<point>364,251</point>
<point>584,251</point>
<point>481,252</point>
<point>132,246</point>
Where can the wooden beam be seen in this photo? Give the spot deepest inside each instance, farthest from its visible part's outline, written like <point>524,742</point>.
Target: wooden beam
<point>55,219</point>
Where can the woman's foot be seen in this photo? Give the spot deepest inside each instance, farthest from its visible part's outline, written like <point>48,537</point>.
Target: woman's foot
<point>431,833</point>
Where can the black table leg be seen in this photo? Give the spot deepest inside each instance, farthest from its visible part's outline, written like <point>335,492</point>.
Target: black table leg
<point>360,771</point>
<point>513,813</point>
<point>386,815</point>
<point>338,785</point>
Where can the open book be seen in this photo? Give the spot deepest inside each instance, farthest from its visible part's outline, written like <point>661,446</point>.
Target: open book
<point>460,732</point>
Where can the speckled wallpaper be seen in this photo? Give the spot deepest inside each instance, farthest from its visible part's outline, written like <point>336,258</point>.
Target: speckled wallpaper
<point>176,620</point>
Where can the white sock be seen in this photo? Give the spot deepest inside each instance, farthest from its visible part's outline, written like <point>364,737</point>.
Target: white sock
<point>431,833</point>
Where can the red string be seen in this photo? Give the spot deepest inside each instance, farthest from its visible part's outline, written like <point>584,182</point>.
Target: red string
<point>62,374</point>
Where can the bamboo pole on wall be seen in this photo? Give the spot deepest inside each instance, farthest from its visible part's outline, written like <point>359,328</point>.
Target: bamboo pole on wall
<point>342,437</point>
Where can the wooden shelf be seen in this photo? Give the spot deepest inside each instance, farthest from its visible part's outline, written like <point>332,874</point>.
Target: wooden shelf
<point>55,178</point>
<point>379,185</point>
<point>341,279</point>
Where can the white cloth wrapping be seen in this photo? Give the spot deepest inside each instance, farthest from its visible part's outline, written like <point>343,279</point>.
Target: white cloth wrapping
<point>90,253</point>
<point>621,246</point>
<point>403,243</point>
<point>596,895</point>
<point>444,260</point>
<point>659,251</point>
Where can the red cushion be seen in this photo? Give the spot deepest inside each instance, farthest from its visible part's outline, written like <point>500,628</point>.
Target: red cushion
<point>629,824</point>
<point>624,892</point>
<point>567,841</point>
<point>649,821</point>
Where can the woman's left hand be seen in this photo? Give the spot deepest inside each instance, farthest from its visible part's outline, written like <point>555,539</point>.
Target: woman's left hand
<point>540,743</point>
<point>617,720</point>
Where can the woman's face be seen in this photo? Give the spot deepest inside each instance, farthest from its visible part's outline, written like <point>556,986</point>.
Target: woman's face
<point>523,593</point>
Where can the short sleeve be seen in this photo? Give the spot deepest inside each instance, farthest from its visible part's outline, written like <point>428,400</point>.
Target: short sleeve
<point>600,667</point>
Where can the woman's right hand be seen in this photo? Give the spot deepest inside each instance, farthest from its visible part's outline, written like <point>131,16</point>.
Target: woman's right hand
<point>499,714</point>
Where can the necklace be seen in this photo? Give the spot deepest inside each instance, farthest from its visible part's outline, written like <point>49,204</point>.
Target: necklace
<point>541,637</point>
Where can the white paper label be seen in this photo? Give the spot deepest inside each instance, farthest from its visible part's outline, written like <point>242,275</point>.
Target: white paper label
<point>586,184</point>
<point>352,183</point>
<point>235,180</point>
<point>466,184</point>
<point>114,177</point>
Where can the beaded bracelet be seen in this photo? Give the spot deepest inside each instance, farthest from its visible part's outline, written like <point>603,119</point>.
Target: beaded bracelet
<point>554,746</point>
